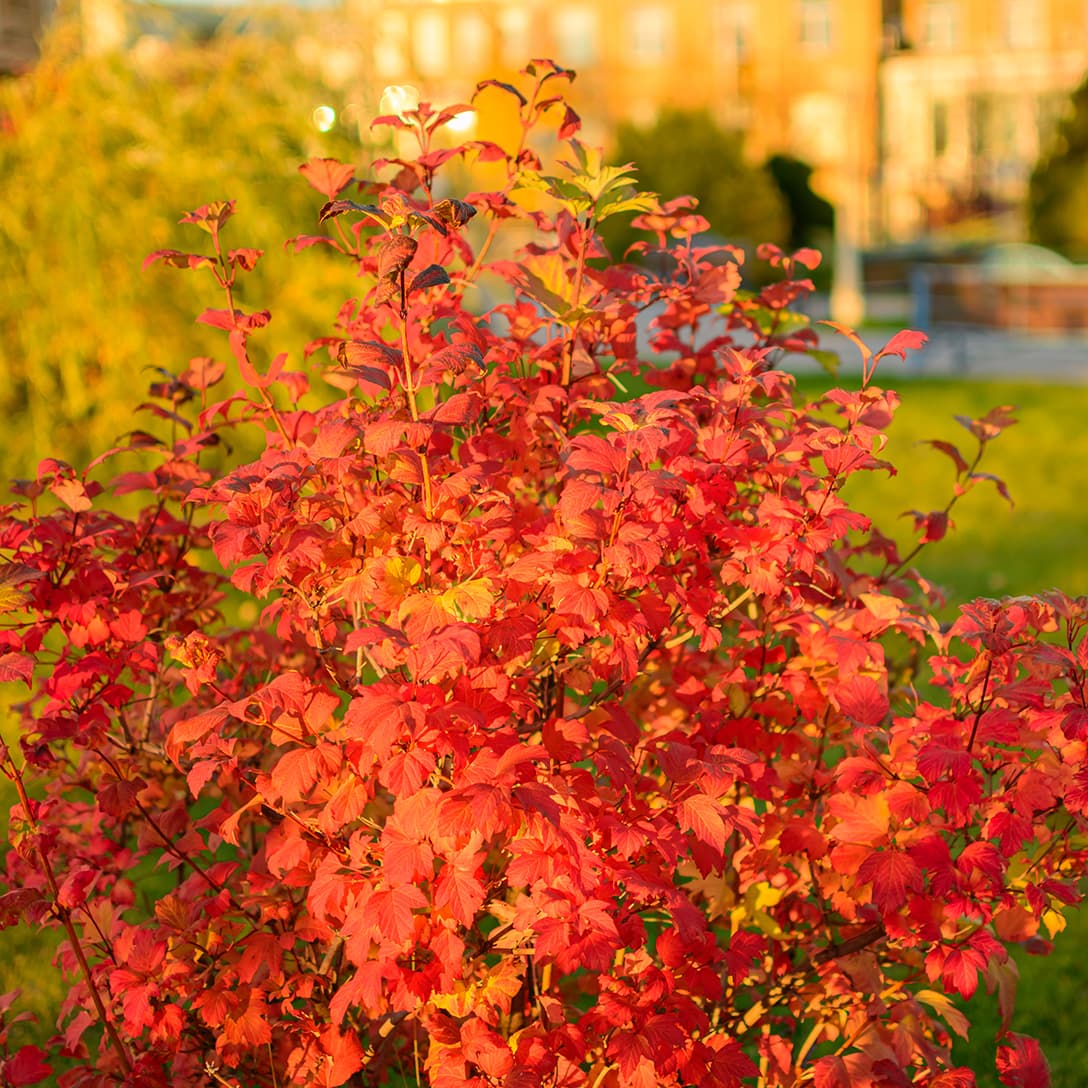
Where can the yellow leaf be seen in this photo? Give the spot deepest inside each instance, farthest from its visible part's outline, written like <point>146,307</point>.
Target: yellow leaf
<point>943,1006</point>
<point>757,899</point>
<point>470,600</point>
<point>1054,921</point>
<point>457,1002</point>
<point>402,572</point>
<point>12,578</point>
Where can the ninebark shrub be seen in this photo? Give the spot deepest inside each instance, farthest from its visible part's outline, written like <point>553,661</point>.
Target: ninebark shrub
<point>500,726</point>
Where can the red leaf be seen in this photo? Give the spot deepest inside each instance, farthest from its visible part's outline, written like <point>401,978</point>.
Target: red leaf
<point>902,342</point>
<point>950,451</point>
<point>729,1065</point>
<point>509,88</point>
<point>1002,490</point>
<point>933,526</point>
<point>210,217</point>
<point>458,409</point>
<point>1021,1064</point>
<point>954,1078</point>
<point>219,319</point>
<point>203,373</point>
<point>808,257</point>
<point>570,125</point>
<point>960,969</point>
<point>863,699</point>
<point>449,650</point>
<point>486,1048</point>
<point>377,718</point>
<point>991,424</point>
<point>176,259</point>
<point>391,910</point>
<point>458,890</point>
<point>193,729</point>
<point>346,1056</point>
<point>28,1066</point>
<point>395,254</point>
<point>861,820</point>
<point>299,770</point>
<point>451,212</point>
<point>16,667</point>
<point>248,1026</point>
<point>72,493</point>
<point>457,358</point>
<point>702,815</point>
<point>371,353</point>
<point>328,176</point>
<point>246,259</point>
<point>592,453</point>
<point>831,1072</point>
<point>893,874</point>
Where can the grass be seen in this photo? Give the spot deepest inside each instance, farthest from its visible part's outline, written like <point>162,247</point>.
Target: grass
<point>993,552</point>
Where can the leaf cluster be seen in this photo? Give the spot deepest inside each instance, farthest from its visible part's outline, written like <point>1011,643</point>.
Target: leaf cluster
<point>494,725</point>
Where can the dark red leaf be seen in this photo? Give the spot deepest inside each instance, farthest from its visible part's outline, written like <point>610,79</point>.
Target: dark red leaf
<point>457,358</point>
<point>509,88</point>
<point>434,275</point>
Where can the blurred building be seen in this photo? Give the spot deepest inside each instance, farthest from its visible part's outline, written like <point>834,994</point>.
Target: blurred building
<point>914,113</point>
<point>801,76</point>
<point>20,30</point>
<point>972,91</point>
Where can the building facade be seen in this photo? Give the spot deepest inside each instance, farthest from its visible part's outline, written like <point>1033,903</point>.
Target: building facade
<point>799,76</point>
<point>913,113</point>
<point>972,92</point>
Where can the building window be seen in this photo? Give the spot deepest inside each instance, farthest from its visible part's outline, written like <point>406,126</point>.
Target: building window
<point>650,31</point>
<point>941,27</point>
<point>1049,111</point>
<point>390,45</point>
<point>815,31</point>
<point>818,127</point>
<point>733,29</point>
<point>515,39</point>
<point>576,36</point>
<point>472,41</point>
<point>1023,24</point>
<point>981,118</point>
<point>431,43</point>
<point>940,129</point>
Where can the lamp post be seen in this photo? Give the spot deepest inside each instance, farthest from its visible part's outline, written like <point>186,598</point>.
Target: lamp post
<point>847,299</point>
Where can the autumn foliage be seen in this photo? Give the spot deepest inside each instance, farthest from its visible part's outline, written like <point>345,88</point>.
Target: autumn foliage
<point>498,726</point>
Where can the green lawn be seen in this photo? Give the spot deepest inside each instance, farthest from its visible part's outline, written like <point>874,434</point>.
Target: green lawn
<point>994,551</point>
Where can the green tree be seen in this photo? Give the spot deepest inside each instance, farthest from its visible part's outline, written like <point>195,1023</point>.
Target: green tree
<point>812,219</point>
<point>91,151</point>
<point>686,152</point>
<point>1058,193</point>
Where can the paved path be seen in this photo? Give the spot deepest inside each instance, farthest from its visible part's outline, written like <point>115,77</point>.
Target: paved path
<point>969,353</point>
<point>961,352</point>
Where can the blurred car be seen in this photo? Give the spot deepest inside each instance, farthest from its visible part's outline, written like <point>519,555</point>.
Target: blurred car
<point>1020,262</point>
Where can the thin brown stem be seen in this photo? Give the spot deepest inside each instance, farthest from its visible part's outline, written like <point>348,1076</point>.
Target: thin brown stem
<point>410,392</point>
<point>65,916</point>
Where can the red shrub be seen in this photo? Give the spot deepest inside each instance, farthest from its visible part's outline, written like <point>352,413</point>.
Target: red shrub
<point>565,748</point>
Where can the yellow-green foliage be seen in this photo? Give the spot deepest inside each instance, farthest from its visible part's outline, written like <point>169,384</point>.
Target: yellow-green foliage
<point>99,157</point>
